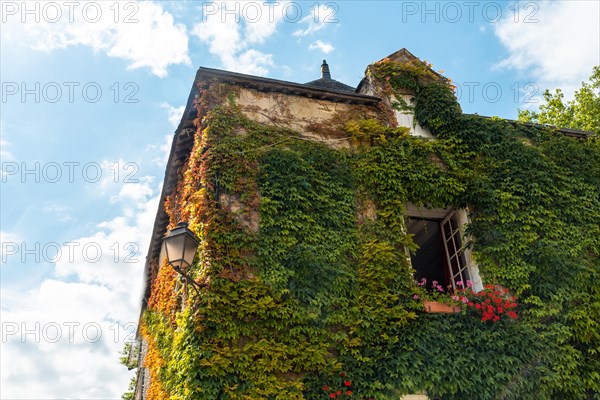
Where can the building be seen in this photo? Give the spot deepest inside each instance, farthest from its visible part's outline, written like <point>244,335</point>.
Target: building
<point>307,200</point>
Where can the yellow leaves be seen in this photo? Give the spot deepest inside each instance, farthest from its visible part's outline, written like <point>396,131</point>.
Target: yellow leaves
<point>354,342</point>
<point>153,362</point>
<point>371,132</point>
<point>162,294</point>
<point>218,363</point>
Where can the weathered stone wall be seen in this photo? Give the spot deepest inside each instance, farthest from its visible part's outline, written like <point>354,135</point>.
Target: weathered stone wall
<point>317,119</point>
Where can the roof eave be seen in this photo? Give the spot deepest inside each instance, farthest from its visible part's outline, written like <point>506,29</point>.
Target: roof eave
<point>565,131</point>
<point>280,86</point>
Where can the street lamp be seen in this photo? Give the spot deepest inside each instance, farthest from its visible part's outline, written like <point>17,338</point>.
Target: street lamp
<point>180,247</point>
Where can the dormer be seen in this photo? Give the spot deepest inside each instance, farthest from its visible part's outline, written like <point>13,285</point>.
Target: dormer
<point>400,101</point>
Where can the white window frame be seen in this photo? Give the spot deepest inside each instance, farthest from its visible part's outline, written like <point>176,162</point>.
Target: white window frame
<point>461,218</point>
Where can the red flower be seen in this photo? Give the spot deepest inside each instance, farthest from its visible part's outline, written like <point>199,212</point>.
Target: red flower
<point>512,314</point>
<point>326,388</point>
<point>339,392</point>
<point>332,396</point>
<point>348,392</point>
<point>347,383</point>
<point>342,374</point>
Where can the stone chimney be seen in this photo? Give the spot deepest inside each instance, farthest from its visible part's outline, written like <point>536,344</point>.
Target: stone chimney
<point>325,74</point>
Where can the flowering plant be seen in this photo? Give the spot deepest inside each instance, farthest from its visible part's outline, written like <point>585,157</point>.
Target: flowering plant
<point>342,389</point>
<point>492,303</point>
<point>437,292</point>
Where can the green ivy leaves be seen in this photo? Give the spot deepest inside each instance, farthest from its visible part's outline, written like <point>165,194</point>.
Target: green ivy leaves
<point>323,284</point>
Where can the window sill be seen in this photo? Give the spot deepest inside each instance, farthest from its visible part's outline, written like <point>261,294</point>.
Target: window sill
<point>436,307</point>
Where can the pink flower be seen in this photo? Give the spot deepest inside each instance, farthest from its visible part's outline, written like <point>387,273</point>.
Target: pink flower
<point>459,283</point>
<point>469,283</point>
<point>455,298</point>
<point>464,300</point>
<point>439,288</point>
<point>434,283</point>
<point>416,297</point>
<point>423,282</point>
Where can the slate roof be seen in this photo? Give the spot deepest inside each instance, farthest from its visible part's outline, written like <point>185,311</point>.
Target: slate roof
<point>329,84</point>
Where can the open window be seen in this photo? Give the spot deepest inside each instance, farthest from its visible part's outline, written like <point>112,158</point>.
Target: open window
<point>441,256</point>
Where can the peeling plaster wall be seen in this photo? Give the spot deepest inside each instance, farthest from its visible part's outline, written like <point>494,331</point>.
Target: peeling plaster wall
<point>320,120</point>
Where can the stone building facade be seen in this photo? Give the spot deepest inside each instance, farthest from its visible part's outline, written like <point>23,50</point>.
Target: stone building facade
<point>318,111</point>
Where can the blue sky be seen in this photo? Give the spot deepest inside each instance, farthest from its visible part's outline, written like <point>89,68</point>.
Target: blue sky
<point>91,94</point>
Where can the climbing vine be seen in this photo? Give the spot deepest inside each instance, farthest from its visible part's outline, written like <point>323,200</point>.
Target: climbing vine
<point>305,275</point>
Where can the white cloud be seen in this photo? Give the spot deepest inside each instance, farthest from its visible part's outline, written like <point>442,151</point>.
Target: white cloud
<point>9,236</point>
<point>133,192</point>
<point>254,62</point>
<point>174,113</point>
<point>119,180</point>
<point>164,151</point>
<point>560,49</point>
<point>62,339</point>
<point>122,242</point>
<point>142,32</point>
<point>9,242</point>
<point>231,41</point>
<point>5,154</point>
<point>59,342</point>
<point>319,18</point>
<point>60,212</point>
<point>324,47</point>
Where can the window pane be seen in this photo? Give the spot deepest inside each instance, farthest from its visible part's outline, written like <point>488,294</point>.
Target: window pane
<point>456,267</point>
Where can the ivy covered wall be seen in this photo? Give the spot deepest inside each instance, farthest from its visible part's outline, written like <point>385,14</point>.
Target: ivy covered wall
<point>307,291</point>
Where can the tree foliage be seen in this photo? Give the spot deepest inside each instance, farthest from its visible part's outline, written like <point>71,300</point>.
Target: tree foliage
<point>583,112</point>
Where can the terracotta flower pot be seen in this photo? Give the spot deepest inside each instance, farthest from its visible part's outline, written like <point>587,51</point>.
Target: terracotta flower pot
<point>438,307</point>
